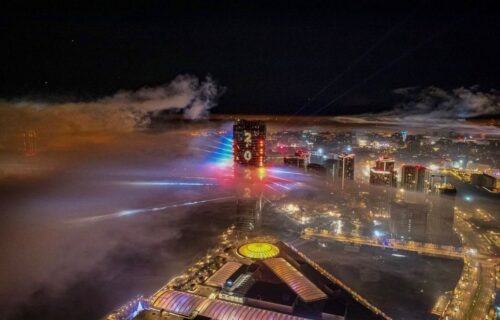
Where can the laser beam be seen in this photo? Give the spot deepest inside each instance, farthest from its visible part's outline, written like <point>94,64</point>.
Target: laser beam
<point>168,183</point>
<point>129,212</point>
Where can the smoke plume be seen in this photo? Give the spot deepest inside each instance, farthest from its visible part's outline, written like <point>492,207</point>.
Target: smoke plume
<point>125,110</point>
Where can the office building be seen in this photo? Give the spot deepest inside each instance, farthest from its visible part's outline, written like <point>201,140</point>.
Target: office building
<point>414,177</point>
<point>384,173</point>
<point>343,166</point>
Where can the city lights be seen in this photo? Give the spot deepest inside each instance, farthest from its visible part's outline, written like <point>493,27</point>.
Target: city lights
<point>250,160</point>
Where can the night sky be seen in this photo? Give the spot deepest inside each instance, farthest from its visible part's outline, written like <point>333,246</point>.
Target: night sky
<point>270,58</point>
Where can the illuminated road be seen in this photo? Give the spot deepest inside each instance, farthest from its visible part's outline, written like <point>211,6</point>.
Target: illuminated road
<point>484,297</point>
<point>475,292</point>
<point>425,249</point>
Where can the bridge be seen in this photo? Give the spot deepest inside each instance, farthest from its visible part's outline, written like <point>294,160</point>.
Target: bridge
<point>429,249</point>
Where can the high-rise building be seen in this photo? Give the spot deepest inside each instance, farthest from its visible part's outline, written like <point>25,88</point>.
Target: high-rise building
<point>341,166</point>
<point>249,142</point>
<point>414,177</point>
<point>345,166</point>
<point>404,135</point>
<point>385,164</point>
<point>383,173</point>
<point>383,177</point>
<point>414,143</point>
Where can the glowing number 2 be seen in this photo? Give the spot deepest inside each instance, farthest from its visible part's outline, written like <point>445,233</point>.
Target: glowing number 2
<point>248,139</point>
<point>247,155</point>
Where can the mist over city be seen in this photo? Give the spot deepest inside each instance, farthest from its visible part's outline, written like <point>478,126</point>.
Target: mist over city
<point>236,161</point>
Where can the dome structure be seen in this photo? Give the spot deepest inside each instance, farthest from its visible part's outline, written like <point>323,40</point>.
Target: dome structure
<point>258,250</point>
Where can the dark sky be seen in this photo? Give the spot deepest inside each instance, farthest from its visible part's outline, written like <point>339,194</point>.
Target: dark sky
<point>271,58</point>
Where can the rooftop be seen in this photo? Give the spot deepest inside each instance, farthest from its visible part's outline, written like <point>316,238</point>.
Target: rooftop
<point>186,304</point>
<point>219,278</point>
<point>302,286</point>
<point>258,250</point>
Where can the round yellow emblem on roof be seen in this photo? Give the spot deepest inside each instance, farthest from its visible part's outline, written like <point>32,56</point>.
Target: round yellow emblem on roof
<point>258,250</point>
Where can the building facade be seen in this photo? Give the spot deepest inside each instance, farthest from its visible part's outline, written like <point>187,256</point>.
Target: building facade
<point>484,180</point>
<point>384,173</point>
<point>414,177</point>
<point>249,143</point>
<point>343,166</point>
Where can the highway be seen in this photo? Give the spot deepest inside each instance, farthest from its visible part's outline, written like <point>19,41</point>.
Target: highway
<point>483,299</point>
<point>475,291</point>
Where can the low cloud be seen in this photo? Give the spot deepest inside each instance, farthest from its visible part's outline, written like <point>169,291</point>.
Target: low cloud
<point>433,102</point>
<point>125,110</point>
<point>436,108</point>
<point>60,262</point>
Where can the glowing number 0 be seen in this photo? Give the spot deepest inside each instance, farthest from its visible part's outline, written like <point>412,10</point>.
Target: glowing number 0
<point>247,155</point>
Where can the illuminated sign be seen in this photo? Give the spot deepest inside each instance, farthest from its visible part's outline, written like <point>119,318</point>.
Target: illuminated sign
<point>249,142</point>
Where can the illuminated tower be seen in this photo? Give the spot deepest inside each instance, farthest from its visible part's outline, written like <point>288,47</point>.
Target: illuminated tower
<point>383,173</point>
<point>404,135</point>
<point>249,142</point>
<point>414,177</point>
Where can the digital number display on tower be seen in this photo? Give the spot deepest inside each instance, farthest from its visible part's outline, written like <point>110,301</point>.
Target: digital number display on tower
<point>249,138</point>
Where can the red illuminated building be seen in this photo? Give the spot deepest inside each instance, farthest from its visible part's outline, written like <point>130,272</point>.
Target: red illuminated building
<point>383,173</point>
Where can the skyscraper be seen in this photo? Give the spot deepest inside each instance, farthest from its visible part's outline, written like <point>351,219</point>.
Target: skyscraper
<point>345,166</point>
<point>414,177</point>
<point>384,164</point>
<point>341,167</point>
<point>383,173</point>
<point>249,142</point>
